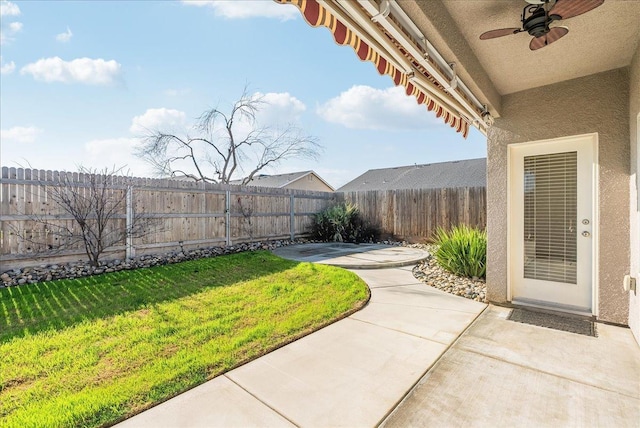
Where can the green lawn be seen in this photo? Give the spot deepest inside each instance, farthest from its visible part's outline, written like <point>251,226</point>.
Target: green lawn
<point>86,352</point>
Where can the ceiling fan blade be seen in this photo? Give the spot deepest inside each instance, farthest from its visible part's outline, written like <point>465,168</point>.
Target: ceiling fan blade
<point>564,9</point>
<point>554,34</point>
<point>499,33</point>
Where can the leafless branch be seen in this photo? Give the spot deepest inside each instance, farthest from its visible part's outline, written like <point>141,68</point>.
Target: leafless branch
<point>95,201</point>
<point>218,152</point>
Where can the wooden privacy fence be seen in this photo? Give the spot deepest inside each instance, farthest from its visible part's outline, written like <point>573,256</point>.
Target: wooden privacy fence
<point>415,214</point>
<point>184,214</point>
<point>187,214</point>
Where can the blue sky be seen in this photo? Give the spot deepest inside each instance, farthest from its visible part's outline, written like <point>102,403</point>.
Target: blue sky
<point>81,78</point>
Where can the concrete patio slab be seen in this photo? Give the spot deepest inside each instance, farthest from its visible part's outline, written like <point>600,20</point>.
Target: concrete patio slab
<point>348,374</point>
<point>502,374</point>
<point>466,389</point>
<point>353,256</point>
<point>219,402</point>
<point>576,357</point>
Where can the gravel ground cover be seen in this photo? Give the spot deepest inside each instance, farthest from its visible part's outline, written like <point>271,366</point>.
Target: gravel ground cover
<point>435,276</point>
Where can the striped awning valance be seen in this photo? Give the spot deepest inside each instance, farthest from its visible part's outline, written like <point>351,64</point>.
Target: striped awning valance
<point>316,15</point>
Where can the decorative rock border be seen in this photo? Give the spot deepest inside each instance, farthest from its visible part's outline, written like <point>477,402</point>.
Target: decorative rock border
<point>430,272</point>
<point>49,272</point>
<point>79,269</point>
<point>427,271</point>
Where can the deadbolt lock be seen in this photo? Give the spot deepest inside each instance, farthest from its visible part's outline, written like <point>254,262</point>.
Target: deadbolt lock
<point>585,222</point>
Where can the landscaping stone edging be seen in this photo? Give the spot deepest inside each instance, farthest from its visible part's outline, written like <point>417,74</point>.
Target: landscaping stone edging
<point>79,269</point>
<point>429,272</point>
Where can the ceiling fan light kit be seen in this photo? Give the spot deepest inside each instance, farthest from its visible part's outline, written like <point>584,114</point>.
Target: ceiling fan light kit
<point>536,19</point>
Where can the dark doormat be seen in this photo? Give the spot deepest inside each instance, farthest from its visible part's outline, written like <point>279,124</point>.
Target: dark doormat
<point>553,321</point>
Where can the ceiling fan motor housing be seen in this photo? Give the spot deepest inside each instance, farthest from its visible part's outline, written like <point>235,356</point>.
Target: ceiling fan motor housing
<point>536,17</point>
<point>537,24</point>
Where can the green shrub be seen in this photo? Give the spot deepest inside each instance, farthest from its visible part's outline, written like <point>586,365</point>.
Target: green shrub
<point>343,223</point>
<point>462,250</point>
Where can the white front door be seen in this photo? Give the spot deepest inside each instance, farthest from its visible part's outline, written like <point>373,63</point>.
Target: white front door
<point>551,223</point>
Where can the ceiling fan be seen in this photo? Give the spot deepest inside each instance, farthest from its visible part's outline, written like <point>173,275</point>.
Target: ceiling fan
<point>536,17</point>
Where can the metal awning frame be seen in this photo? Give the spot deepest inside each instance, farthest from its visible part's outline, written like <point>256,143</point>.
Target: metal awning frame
<point>397,23</point>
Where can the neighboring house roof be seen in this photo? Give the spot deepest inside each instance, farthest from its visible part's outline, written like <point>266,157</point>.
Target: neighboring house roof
<point>462,173</point>
<point>280,180</point>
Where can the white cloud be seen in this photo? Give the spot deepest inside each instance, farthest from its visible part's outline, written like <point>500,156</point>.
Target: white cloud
<point>247,9</point>
<point>280,108</point>
<point>7,33</point>
<point>20,134</point>
<point>64,37</point>
<point>81,70</point>
<point>115,152</point>
<point>15,27</point>
<point>7,68</point>
<point>364,107</point>
<point>157,119</point>
<point>9,9</point>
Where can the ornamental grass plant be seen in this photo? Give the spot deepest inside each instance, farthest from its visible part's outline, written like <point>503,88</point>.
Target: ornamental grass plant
<point>343,223</point>
<point>462,250</point>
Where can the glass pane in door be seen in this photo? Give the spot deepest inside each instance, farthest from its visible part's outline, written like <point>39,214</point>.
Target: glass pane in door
<point>550,215</point>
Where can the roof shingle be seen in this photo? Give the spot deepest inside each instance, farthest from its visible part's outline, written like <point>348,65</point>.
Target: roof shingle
<point>461,173</point>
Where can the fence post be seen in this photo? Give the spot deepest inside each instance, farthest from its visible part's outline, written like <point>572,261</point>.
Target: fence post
<point>292,217</point>
<point>227,216</point>
<point>130,251</point>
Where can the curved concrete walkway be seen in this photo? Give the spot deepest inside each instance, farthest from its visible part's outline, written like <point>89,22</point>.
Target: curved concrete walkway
<point>402,361</point>
<point>352,373</point>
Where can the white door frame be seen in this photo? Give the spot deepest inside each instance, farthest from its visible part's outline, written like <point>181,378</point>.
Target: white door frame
<point>595,235</point>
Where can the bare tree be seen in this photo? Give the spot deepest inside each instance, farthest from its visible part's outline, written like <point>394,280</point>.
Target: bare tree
<point>246,222</point>
<point>96,206</point>
<point>220,149</point>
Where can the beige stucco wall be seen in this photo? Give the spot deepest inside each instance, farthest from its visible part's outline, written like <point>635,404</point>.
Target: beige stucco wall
<point>634,111</point>
<point>309,182</point>
<point>597,103</point>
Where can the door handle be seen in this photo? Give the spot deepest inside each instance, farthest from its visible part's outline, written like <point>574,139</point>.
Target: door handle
<point>586,234</point>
